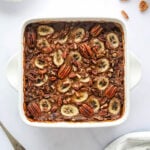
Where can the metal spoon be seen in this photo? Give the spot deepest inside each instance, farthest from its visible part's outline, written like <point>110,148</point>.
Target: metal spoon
<point>16,145</point>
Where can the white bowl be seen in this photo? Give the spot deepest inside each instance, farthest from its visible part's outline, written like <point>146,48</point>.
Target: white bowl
<point>74,124</point>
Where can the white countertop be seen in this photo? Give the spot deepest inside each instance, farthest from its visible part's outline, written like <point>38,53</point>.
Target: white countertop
<point>12,15</point>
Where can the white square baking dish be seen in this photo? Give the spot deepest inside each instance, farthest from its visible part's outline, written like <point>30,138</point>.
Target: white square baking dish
<point>74,124</point>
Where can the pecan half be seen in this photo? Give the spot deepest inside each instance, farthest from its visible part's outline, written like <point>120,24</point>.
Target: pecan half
<point>30,38</point>
<point>64,70</point>
<point>34,109</point>
<point>143,5</point>
<point>86,50</point>
<point>110,91</point>
<point>96,30</point>
<point>86,110</point>
<point>52,78</point>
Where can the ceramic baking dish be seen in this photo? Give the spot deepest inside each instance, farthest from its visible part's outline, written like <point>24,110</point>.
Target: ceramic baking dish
<point>74,124</point>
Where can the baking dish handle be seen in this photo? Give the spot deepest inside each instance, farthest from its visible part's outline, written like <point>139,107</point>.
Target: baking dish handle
<point>135,70</point>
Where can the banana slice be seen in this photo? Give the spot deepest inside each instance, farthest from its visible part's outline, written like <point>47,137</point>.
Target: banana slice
<point>39,63</point>
<point>103,64</point>
<point>78,34</point>
<point>42,42</point>
<point>69,110</point>
<point>64,85</point>
<point>57,58</point>
<point>97,43</point>
<point>102,83</point>
<point>94,103</point>
<point>112,40</point>
<point>85,80</point>
<point>44,30</point>
<point>75,56</point>
<point>80,96</point>
<point>114,106</point>
<point>45,105</point>
<point>63,40</point>
<point>40,83</point>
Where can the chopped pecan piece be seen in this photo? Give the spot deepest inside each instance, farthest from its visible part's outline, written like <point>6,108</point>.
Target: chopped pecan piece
<point>52,78</point>
<point>47,49</point>
<point>59,102</point>
<point>72,75</point>
<point>42,71</point>
<point>86,110</point>
<point>110,91</point>
<point>64,70</point>
<point>54,108</point>
<point>30,38</point>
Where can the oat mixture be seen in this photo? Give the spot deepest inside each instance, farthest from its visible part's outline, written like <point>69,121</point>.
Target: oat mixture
<point>73,71</point>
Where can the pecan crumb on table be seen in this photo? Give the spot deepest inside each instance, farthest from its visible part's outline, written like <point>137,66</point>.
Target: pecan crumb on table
<point>124,14</point>
<point>74,71</point>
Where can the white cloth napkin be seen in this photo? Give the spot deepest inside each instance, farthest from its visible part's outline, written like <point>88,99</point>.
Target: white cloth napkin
<point>4,142</point>
<point>131,141</point>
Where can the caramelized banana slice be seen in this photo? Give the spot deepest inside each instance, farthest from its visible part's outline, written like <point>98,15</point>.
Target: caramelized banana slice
<point>42,82</point>
<point>80,96</point>
<point>57,58</point>
<point>78,34</point>
<point>69,110</point>
<point>102,83</point>
<point>85,80</point>
<point>98,44</point>
<point>94,103</point>
<point>44,30</point>
<point>42,43</point>
<point>114,106</point>
<point>75,56</point>
<point>112,40</point>
<point>64,85</point>
<point>63,40</point>
<point>39,63</point>
<point>103,65</point>
<point>45,105</point>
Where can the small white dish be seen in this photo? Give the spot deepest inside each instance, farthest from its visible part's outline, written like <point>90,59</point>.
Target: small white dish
<point>134,73</point>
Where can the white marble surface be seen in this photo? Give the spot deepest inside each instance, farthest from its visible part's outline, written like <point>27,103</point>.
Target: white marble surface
<point>12,15</point>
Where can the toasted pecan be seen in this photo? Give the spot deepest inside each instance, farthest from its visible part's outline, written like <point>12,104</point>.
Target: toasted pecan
<point>34,109</point>
<point>86,110</point>
<point>64,70</point>
<point>86,50</point>
<point>110,91</point>
<point>96,30</point>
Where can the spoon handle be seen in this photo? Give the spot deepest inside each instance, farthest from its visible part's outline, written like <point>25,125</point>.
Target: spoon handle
<point>16,145</point>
